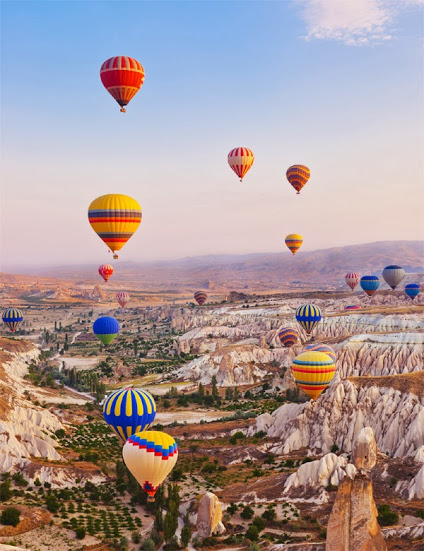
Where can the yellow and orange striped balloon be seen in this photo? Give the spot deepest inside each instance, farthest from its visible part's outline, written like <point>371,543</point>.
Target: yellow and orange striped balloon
<point>313,372</point>
<point>298,175</point>
<point>294,242</point>
<point>115,218</point>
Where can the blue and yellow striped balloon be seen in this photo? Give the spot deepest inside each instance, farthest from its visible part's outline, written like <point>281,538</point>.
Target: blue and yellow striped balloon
<point>12,317</point>
<point>319,347</point>
<point>308,316</point>
<point>128,411</point>
<point>313,372</point>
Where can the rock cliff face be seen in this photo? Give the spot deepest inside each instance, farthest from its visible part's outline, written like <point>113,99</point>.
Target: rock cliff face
<point>209,516</point>
<point>353,522</point>
<point>337,417</point>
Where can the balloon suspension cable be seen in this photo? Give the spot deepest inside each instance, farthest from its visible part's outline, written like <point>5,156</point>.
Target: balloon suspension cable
<point>123,110</point>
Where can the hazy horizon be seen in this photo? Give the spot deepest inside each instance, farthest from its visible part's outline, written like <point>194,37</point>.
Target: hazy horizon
<point>297,82</point>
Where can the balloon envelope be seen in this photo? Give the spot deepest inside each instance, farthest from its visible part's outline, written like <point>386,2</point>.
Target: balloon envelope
<point>294,242</point>
<point>200,297</point>
<point>352,307</point>
<point>128,411</point>
<point>150,456</point>
<point>122,77</point>
<point>241,160</point>
<point>115,218</point>
<point>308,316</point>
<point>105,270</point>
<point>123,298</point>
<point>393,275</point>
<point>352,279</point>
<point>313,372</point>
<point>288,336</point>
<point>370,284</point>
<point>412,290</point>
<point>12,317</point>
<point>318,347</point>
<point>298,175</point>
<point>106,328</point>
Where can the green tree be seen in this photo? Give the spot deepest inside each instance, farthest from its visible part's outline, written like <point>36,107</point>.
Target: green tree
<point>259,522</point>
<point>170,525</point>
<point>80,533</point>
<point>252,533</point>
<point>215,392</point>
<point>52,503</point>
<point>158,524</point>
<point>148,545</point>
<point>136,536</point>
<point>253,546</point>
<point>10,517</point>
<point>5,491</point>
<point>269,515</point>
<point>185,535</point>
<point>247,512</point>
<point>386,517</point>
<point>201,391</point>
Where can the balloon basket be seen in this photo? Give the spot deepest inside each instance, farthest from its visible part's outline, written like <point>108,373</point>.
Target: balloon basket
<point>151,499</point>
<point>115,256</point>
<point>123,110</point>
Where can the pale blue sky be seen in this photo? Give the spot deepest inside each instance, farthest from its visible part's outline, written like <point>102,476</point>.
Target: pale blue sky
<point>302,81</point>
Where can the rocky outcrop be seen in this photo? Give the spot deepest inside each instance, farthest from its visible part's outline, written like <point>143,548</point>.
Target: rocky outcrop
<point>353,522</point>
<point>330,469</point>
<point>209,516</point>
<point>337,417</point>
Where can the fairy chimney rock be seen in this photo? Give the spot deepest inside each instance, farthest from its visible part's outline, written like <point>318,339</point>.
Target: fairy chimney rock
<point>364,453</point>
<point>209,516</point>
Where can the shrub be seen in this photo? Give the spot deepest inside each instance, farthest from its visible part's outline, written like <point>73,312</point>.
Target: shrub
<point>10,517</point>
<point>269,515</point>
<point>80,533</point>
<point>259,522</point>
<point>253,546</point>
<point>247,512</point>
<point>5,491</point>
<point>334,448</point>
<point>252,533</point>
<point>386,517</point>
<point>148,545</point>
<point>135,536</point>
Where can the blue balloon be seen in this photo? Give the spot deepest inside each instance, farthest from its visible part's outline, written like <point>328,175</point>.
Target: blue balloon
<point>128,411</point>
<point>106,329</point>
<point>308,316</point>
<point>370,284</point>
<point>412,290</point>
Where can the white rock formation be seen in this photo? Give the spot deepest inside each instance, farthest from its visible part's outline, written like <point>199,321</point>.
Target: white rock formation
<point>330,469</point>
<point>338,416</point>
<point>209,516</point>
<point>364,453</point>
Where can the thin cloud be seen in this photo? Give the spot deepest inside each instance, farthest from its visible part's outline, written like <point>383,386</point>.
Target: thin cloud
<point>353,22</point>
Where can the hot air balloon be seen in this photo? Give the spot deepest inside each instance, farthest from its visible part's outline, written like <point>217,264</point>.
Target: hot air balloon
<point>308,316</point>
<point>412,290</point>
<point>352,307</point>
<point>122,77</point>
<point>352,279</point>
<point>241,160</point>
<point>150,456</point>
<point>288,336</point>
<point>393,275</point>
<point>200,297</point>
<point>298,175</point>
<point>123,298</point>
<point>370,284</point>
<point>106,270</point>
<point>129,410</point>
<point>294,242</point>
<point>313,372</point>
<point>318,347</point>
<point>106,329</point>
<point>12,317</point>
<point>114,218</point>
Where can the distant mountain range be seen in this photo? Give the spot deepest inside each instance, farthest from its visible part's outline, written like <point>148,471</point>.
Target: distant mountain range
<point>323,268</point>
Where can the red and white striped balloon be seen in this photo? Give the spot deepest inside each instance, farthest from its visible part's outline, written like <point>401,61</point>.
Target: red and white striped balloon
<point>241,160</point>
<point>352,279</point>
<point>123,298</point>
<point>105,270</point>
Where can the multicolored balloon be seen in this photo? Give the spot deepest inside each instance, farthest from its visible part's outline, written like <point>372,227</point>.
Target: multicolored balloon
<point>106,270</point>
<point>308,316</point>
<point>123,298</point>
<point>106,328</point>
<point>318,347</point>
<point>122,77</point>
<point>115,218</point>
<point>200,297</point>
<point>241,160</point>
<point>150,456</point>
<point>12,317</point>
<point>352,307</point>
<point>294,242</point>
<point>352,279</point>
<point>288,336</point>
<point>129,410</point>
<point>370,284</point>
<point>298,176</point>
<point>393,275</point>
<point>412,290</point>
<point>313,372</point>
